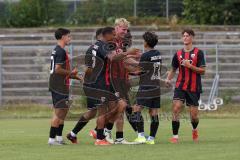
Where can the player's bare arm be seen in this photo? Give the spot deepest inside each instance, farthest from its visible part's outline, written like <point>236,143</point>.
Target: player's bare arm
<point>119,56</point>
<point>170,76</point>
<point>61,71</point>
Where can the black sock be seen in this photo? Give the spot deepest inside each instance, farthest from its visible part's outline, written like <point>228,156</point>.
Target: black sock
<point>175,127</point>
<point>154,125</point>
<point>53,132</point>
<point>119,135</point>
<point>139,122</point>
<point>130,118</point>
<point>109,126</point>
<point>80,124</point>
<point>60,130</point>
<point>100,134</point>
<point>195,124</point>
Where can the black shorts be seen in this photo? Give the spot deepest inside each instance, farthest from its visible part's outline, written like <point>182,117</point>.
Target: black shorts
<point>190,97</point>
<point>60,100</point>
<point>95,96</point>
<point>149,102</point>
<point>120,88</point>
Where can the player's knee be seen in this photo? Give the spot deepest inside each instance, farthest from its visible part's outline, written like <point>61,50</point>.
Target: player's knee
<point>90,114</point>
<point>122,106</point>
<point>56,121</point>
<point>194,117</point>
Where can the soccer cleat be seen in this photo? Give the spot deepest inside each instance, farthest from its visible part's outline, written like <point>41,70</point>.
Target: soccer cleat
<point>108,137</point>
<point>102,143</point>
<point>195,135</point>
<point>93,133</point>
<point>140,140</point>
<point>54,143</point>
<point>71,138</point>
<point>123,141</point>
<point>173,140</point>
<point>150,141</point>
<point>62,142</point>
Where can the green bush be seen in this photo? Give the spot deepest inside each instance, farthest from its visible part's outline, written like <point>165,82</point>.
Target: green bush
<point>34,13</point>
<point>212,12</point>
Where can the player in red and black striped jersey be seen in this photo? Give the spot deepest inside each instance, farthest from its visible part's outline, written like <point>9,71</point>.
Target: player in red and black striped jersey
<point>119,80</point>
<point>191,64</point>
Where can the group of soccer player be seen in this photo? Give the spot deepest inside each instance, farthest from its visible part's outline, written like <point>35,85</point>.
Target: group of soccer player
<point>109,62</point>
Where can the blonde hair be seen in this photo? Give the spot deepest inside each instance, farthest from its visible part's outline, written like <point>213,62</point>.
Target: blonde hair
<point>122,22</point>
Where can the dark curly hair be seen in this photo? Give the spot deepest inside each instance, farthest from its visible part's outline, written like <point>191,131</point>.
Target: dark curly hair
<point>188,31</point>
<point>151,39</point>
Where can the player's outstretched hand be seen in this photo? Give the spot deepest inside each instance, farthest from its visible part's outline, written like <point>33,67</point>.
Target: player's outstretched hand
<point>81,78</point>
<point>74,71</point>
<point>133,51</point>
<point>168,83</point>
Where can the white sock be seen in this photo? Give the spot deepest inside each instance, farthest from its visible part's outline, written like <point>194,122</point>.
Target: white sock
<point>51,140</point>
<point>59,138</point>
<point>107,130</point>
<point>141,135</point>
<point>175,136</point>
<point>150,138</point>
<point>120,139</point>
<point>73,134</point>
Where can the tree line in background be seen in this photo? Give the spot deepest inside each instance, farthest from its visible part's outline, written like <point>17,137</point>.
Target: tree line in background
<point>35,13</point>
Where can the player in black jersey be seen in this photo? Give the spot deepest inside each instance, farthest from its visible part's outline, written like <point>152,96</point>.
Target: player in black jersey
<point>60,74</point>
<point>148,94</point>
<point>91,103</point>
<point>95,86</point>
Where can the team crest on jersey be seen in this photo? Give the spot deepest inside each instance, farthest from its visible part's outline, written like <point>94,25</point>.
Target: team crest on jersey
<point>103,99</point>
<point>192,56</point>
<point>117,94</point>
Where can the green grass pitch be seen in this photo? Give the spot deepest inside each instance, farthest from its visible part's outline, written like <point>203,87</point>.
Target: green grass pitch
<point>26,139</point>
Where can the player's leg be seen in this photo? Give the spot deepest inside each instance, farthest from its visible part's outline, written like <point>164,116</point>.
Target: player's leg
<point>129,115</point>
<point>139,122</point>
<point>123,89</point>
<point>102,110</point>
<point>153,112</point>
<point>61,107</point>
<point>116,115</point>
<point>61,115</point>
<point>178,100</point>
<point>192,101</point>
<point>120,122</point>
<point>83,120</point>
<point>176,109</point>
<point>110,119</point>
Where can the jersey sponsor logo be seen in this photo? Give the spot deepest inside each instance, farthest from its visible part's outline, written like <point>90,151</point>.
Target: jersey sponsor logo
<point>154,58</point>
